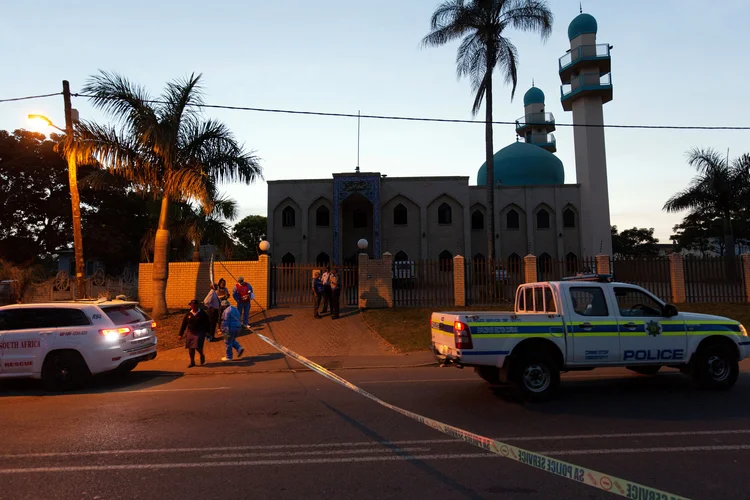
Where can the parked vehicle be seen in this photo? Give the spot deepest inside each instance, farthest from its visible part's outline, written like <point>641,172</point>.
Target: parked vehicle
<point>587,322</point>
<point>64,343</point>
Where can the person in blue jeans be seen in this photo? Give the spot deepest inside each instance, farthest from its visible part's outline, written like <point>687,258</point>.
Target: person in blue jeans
<point>243,294</point>
<point>230,328</point>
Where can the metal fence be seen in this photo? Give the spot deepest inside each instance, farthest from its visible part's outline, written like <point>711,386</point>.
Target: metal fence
<point>714,279</point>
<point>492,282</point>
<point>291,285</point>
<point>548,269</point>
<point>651,273</point>
<point>423,283</point>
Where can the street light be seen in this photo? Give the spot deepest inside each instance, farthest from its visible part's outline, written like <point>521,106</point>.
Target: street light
<point>75,199</point>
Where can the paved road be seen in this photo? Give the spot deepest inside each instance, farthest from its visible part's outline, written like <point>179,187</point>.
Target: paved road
<point>297,435</point>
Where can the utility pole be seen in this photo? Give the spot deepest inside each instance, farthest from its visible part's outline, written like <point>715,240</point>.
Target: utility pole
<point>75,199</point>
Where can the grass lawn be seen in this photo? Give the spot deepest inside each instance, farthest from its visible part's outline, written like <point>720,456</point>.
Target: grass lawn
<point>408,329</point>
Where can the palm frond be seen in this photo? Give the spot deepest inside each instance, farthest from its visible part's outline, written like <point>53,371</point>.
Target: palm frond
<point>507,59</point>
<point>449,22</point>
<point>187,184</point>
<point>527,15</point>
<point>121,99</point>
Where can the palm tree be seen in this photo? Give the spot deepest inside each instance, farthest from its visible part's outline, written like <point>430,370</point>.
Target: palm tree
<point>200,226</point>
<point>719,191</point>
<point>482,25</point>
<point>163,148</point>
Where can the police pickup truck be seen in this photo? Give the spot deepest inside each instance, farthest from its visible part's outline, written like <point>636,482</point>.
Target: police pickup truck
<point>586,322</point>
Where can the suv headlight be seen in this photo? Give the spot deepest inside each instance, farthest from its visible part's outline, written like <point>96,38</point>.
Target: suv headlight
<point>742,330</point>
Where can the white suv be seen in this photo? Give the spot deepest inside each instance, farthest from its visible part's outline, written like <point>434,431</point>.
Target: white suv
<point>63,343</point>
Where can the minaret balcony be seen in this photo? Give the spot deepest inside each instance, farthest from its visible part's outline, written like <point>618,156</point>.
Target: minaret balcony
<point>545,121</point>
<point>586,84</point>
<point>585,55</point>
<point>549,143</point>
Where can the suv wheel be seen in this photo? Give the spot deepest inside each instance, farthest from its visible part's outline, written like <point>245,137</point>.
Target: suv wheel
<point>536,376</point>
<point>715,367</point>
<point>63,371</point>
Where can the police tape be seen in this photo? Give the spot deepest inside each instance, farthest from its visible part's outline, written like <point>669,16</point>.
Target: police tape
<point>582,475</point>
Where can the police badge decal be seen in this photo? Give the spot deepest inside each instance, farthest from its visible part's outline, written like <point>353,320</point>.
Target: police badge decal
<point>653,328</point>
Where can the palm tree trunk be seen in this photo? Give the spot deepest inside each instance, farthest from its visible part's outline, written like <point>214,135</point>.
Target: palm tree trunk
<point>75,202</point>
<point>490,174</point>
<point>196,251</point>
<point>161,262</point>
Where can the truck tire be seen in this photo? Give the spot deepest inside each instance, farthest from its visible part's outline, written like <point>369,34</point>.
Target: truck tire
<point>645,370</point>
<point>715,366</point>
<point>64,371</point>
<point>536,376</point>
<point>490,374</point>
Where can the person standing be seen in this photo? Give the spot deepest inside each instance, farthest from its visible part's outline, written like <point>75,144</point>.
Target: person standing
<point>213,304</point>
<point>196,324</point>
<point>325,280</point>
<point>242,294</point>
<point>333,279</point>
<point>230,328</point>
<point>317,285</point>
<point>221,290</point>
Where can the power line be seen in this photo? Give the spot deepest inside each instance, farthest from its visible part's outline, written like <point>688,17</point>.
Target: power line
<point>29,97</point>
<point>414,118</point>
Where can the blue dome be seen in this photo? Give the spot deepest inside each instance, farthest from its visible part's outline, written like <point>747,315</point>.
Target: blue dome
<point>583,23</point>
<point>523,164</point>
<point>533,96</point>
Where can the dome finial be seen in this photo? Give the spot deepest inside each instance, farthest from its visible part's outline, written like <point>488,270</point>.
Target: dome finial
<point>580,7</point>
<point>532,83</point>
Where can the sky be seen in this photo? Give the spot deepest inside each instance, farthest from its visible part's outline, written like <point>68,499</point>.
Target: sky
<point>674,62</point>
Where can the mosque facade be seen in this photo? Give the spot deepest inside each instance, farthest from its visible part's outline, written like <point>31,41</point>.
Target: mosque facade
<point>536,212</point>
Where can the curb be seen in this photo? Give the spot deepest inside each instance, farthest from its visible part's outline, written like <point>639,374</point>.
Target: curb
<point>283,370</point>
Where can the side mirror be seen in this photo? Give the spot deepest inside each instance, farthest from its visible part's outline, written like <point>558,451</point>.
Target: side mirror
<point>670,310</point>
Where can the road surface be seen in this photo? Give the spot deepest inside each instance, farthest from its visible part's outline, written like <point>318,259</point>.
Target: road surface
<point>298,435</point>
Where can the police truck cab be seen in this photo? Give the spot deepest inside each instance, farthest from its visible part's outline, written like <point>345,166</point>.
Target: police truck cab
<point>586,322</point>
<point>63,343</point>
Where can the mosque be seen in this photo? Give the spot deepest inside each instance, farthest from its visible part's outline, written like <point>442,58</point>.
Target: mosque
<point>536,212</point>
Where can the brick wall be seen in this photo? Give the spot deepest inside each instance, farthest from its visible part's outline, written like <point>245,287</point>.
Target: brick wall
<point>529,269</point>
<point>602,264</point>
<point>375,282</point>
<point>677,278</point>
<point>459,281</point>
<point>190,280</point>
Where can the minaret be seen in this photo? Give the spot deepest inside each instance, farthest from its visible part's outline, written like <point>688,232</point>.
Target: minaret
<point>535,126</point>
<point>587,86</point>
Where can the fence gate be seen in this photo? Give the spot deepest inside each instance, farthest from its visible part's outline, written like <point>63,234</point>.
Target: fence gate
<point>291,285</point>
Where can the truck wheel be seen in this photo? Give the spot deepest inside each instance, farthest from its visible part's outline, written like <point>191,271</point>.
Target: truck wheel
<point>490,374</point>
<point>645,370</point>
<point>536,377</point>
<point>715,367</point>
<point>63,371</point>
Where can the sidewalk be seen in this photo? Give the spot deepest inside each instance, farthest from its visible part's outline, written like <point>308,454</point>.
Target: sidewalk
<point>276,362</point>
<point>346,343</point>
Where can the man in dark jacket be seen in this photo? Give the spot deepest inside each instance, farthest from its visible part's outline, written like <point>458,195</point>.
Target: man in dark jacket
<point>196,323</point>
<point>318,290</point>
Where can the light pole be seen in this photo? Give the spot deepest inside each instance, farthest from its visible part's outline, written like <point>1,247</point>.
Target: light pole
<point>75,199</point>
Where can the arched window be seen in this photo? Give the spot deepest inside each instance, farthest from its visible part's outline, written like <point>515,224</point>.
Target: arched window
<point>288,258</point>
<point>542,219</point>
<point>515,263</point>
<point>544,266</point>
<point>569,218</point>
<point>445,215</point>
<point>400,256</point>
<point>477,220</point>
<point>512,220</point>
<point>322,216</point>
<point>446,260</point>
<point>359,218</point>
<point>288,216</point>
<point>400,215</point>
<point>478,257</point>
<point>322,259</point>
<point>571,264</point>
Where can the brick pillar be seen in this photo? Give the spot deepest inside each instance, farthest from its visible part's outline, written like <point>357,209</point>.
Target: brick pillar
<point>746,274</point>
<point>363,271</point>
<point>677,278</point>
<point>386,272</point>
<point>602,264</point>
<point>529,269</point>
<point>459,281</point>
<point>264,277</point>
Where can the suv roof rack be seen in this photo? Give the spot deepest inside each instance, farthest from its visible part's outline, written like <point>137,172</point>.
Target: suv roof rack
<point>599,278</point>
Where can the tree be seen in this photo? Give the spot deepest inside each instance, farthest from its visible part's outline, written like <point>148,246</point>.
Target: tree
<point>635,242</point>
<point>721,190</point>
<point>162,148</point>
<point>211,228</point>
<point>482,25</point>
<point>249,232</point>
